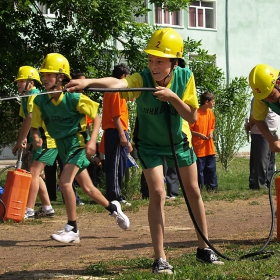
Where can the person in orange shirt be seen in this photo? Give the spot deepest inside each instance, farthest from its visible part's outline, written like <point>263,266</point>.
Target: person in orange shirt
<point>203,144</point>
<point>115,143</point>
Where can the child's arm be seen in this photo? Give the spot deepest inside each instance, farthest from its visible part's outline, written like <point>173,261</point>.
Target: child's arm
<point>37,140</point>
<point>22,136</point>
<point>202,136</point>
<point>108,82</point>
<point>187,112</point>
<point>91,144</point>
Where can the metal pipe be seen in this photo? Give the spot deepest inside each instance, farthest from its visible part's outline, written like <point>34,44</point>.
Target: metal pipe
<point>86,89</point>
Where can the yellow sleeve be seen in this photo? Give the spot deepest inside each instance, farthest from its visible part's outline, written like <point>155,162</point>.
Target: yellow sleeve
<point>87,107</point>
<point>21,113</point>
<point>133,81</point>
<point>260,110</point>
<point>30,103</point>
<point>36,120</point>
<point>187,131</point>
<point>190,95</point>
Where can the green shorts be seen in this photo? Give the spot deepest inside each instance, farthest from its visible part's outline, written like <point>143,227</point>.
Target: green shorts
<point>46,156</point>
<point>70,151</point>
<point>185,158</point>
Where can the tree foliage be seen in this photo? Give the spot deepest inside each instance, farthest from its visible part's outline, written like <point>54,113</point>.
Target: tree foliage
<point>86,32</point>
<point>231,106</point>
<point>231,109</point>
<point>95,35</point>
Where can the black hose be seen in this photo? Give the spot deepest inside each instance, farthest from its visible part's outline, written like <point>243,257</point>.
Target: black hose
<point>259,252</point>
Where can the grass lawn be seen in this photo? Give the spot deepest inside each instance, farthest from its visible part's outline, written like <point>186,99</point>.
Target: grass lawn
<point>233,185</point>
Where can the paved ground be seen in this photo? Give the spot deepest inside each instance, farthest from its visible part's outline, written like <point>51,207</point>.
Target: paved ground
<point>4,163</point>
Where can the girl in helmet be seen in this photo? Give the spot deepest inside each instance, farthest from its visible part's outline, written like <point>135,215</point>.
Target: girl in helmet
<point>265,83</point>
<point>176,90</point>
<point>65,117</point>
<point>27,80</point>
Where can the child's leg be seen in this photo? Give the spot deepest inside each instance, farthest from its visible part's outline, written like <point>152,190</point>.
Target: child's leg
<point>113,207</point>
<point>155,181</point>
<point>87,186</point>
<point>65,182</point>
<point>189,178</point>
<point>35,170</point>
<point>43,193</point>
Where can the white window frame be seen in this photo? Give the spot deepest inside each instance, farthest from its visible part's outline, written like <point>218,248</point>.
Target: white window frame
<point>167,18</point>
<point>203,13</point>
<point>192,56</point>
<point>45,11</point>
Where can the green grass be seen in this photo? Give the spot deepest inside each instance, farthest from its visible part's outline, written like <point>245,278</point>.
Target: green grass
<point>233,185</point>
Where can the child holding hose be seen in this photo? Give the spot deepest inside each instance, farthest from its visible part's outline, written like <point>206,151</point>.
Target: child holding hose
<point>175,86</point>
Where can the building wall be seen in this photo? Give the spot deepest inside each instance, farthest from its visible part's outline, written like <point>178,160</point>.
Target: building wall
<point>245,35</point>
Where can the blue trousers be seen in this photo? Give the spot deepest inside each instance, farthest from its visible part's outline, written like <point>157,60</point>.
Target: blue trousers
<point>206,171</point>
<point>115,164</point>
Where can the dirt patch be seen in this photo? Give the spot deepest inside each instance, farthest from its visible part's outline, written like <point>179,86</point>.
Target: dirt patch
<point>27,252</point>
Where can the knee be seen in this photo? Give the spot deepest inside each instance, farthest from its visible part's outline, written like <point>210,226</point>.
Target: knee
<point>193,192</point>
<point>157,196</point>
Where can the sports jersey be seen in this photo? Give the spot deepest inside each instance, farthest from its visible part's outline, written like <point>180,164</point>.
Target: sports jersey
<point>113,106</point>
<point>260,109</point>
<point>26,105</point>
<point>151,133</point>
<point>204,124</point>
<point>61,117</point>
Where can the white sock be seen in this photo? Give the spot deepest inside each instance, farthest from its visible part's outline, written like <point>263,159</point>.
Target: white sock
<point>29,210</point>
<point>46,208</point>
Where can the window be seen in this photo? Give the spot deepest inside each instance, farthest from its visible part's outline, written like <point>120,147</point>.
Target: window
<point>45,10</point>
<point>141,19</point>
<point>164,17</point>
<point>202,14</point>
<point>206,59</point>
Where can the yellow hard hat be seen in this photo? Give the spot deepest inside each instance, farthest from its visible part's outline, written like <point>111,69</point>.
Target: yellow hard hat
<point>166,42</point>
<point>28,72</point>
<point>55,63</point>
<point>262,80</point>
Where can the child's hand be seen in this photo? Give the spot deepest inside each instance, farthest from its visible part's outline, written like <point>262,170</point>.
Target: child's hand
<point>76,85</point>
<point>130,148</point>
<point>37,143</point>
<point>163,94</point>
<point>90,149</point>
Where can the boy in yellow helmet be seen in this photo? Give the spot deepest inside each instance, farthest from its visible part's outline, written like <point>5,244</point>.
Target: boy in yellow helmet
<point>27,80</point>
<point>65,117</point>
<point>175,88</point>
<point>265,83</point>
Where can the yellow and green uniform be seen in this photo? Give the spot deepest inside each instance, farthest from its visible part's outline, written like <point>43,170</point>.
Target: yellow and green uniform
<point>260,109</point>
<point>65,120</point>
<point>150,134</point>
<point>47,153</point>
<point>26,106</point>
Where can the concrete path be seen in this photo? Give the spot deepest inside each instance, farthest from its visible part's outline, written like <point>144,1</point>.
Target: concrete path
<point>4,163</point>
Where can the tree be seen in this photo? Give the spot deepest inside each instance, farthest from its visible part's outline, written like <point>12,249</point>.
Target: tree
<point>231,107</point>
<point>87,33</point>
<point>83,31</point>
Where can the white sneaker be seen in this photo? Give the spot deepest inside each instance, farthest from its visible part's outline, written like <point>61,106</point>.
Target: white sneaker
<point>29,215</point>
<point>121,219</point>
<point>66,235</point>
<point>124,202</point>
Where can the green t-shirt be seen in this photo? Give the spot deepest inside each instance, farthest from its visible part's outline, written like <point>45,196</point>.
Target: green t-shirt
<point>64,117</point>
<point>151,132</point>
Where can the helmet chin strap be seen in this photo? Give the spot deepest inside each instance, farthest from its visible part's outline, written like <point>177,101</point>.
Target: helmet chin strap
<point>171,69</point>
<point>54,87</point>
<point>28,81</point>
